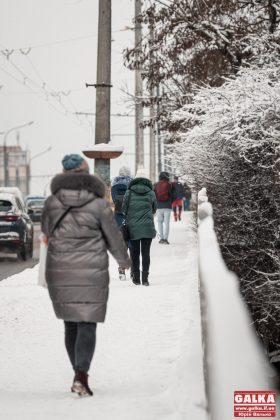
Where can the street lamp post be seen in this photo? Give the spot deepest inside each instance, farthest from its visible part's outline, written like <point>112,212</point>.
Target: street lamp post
<point>28,166</point>
<point>5,154</point>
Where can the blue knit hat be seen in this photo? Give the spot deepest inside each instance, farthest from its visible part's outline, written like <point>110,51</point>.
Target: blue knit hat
<point>73,161</point>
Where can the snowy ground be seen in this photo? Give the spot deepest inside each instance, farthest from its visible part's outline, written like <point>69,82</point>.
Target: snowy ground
<point>148,360</point>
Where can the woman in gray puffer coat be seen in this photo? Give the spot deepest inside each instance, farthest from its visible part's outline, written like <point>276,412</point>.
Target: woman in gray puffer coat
<point>79,226</point>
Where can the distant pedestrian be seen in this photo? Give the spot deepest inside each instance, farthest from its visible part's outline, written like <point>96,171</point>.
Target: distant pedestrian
<point>119,186</point>
<point>188,196</point>
<point>179,194</point>
<point>118,189</point>
<point>164,195</point>
<point>139,207</point>
<point>79,227</point>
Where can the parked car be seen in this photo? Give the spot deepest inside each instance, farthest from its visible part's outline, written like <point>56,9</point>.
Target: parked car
<point>35,205</point>
<point>15,191</point>
<point>16,227</point>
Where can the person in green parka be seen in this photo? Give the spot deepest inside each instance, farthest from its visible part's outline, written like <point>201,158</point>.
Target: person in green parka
<point>139,207</point>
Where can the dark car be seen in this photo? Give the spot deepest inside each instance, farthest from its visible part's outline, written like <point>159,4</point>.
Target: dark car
<point>16,227</point>
<point>35,205</point>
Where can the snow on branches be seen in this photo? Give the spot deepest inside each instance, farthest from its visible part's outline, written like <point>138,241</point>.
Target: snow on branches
<point>198,42</point>
<point>230,143</point>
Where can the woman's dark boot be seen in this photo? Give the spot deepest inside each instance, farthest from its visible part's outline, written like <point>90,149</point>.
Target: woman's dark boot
<point>136,277</point>
<point>80,384</point>
<point>145,276</point>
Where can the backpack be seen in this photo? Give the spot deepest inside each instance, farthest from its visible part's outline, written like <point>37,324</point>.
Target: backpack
<point>162,190</point>
<point>121,190</point>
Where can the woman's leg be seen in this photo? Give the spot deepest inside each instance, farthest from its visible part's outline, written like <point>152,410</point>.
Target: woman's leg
<point>180,206</point>
<point>84,350</point>
<point>167,214</point>
<point>174,208</point>
<point>160,218</point>
<point>71,330</point>
<point>145,252</point>
<point>119,218</point>
<point>85,345</point>
<point>135,259</point>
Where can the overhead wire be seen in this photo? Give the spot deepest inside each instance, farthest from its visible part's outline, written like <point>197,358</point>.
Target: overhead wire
<point>53,92</point>
<point>51,43</point>
<point>43,98</point>
<point>36,93</point>
<point>42,90</point>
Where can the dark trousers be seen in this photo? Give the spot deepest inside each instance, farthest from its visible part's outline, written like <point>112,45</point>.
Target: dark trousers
<point>143,245</point>
<point>80,338</point>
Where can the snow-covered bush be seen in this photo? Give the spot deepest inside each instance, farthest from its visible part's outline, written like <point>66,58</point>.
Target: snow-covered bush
<point>230,143</point>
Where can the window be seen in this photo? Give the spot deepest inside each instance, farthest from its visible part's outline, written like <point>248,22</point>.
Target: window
<point>5,205</point>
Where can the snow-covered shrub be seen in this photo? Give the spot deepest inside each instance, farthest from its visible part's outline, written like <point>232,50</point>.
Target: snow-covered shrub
<point>230,144</point>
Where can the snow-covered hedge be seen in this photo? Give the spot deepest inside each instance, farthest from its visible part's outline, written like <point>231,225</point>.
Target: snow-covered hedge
<point>230,143</point>
<point>226,324</point>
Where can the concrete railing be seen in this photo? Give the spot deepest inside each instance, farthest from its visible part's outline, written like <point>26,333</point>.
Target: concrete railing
<point>233,357</point>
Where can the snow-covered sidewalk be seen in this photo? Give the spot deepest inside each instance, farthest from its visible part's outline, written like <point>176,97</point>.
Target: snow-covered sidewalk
<point>148,359</point>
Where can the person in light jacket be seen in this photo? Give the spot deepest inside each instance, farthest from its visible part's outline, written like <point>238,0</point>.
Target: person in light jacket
<point>79,227</point>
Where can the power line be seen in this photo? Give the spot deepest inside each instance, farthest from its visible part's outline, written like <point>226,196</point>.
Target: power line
<point>39,94</point>
<point>49,44</point>
<point>111,115</point>
<point>26,50</point>
<point>43,93</point>
<point>31,93</point>
<point>127,135</point>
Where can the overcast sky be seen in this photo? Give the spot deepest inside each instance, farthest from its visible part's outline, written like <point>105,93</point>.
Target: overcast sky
<point>54,45</point>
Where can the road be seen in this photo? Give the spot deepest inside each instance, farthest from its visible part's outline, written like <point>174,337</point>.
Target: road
<point>10,264</point>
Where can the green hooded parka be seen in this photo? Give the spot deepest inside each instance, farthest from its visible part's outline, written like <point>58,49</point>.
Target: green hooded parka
<point>139,207</point>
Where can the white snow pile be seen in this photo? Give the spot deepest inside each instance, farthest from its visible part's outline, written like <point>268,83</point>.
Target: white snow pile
<point>148,360</point>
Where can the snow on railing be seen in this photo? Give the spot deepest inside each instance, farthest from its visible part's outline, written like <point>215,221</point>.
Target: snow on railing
<point>233,357</point>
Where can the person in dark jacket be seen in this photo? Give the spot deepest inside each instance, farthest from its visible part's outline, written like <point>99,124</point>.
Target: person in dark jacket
<point>178,194</point>
<point>79,227</point>
<point>164,194</point>
<point>139,207</point>
<point>188,196</point>
<point>119,186</point>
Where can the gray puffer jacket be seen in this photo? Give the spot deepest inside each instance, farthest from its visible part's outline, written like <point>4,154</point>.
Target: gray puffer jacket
<point>77,261</point>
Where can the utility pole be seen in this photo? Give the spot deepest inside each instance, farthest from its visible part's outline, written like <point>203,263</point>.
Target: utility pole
<point>139,138</point>
<point>103,85</point>
<point>152,117</point>
<point>152,141</point>
<point>158,134</point>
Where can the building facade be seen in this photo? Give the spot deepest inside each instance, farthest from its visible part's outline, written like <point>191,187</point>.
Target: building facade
<point>17,168</point>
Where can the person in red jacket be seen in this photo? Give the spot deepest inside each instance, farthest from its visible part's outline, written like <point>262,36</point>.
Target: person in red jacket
<point>178,195</point>
<point>164,195</point>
